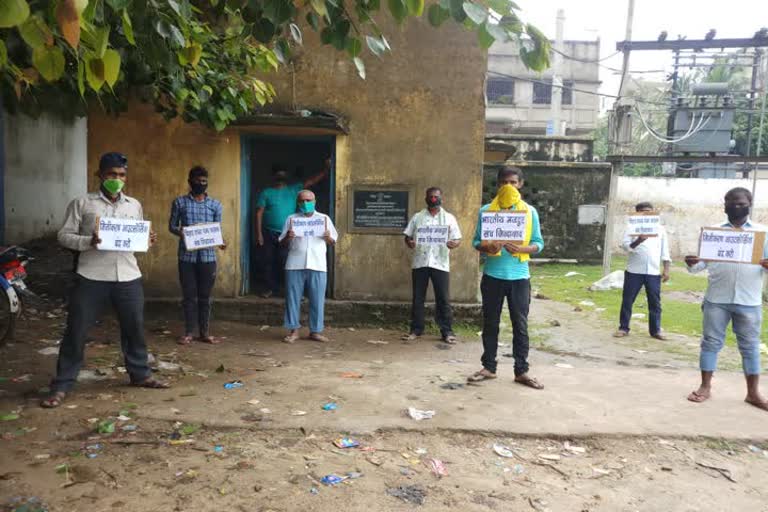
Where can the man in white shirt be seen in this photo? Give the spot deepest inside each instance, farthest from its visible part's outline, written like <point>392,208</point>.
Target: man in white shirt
<point>306,266</point>
<point>103,277</point>
<point>646,254</point>
<point>431,261</point>
<point>734,295</point>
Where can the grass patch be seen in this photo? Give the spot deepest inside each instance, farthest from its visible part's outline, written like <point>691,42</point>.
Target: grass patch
<point>678,316</point>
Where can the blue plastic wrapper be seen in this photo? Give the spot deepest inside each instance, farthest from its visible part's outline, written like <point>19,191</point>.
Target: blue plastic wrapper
<point>332,479</point>
<point>346,442</point>
<point>330,406</point>
<point>234,384</point>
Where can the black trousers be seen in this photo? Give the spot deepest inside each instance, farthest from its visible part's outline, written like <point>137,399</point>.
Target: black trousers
<point>518,295</point>
<point>197,280</point>
<point>440,285</point>
<point>632,285</point>
<point>274,260</point>
<point>86,304</point>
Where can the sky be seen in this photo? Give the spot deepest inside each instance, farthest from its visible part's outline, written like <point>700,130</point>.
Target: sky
<point>606,19</point>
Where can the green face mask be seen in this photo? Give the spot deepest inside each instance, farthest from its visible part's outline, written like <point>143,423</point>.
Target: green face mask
<point>113,186</point>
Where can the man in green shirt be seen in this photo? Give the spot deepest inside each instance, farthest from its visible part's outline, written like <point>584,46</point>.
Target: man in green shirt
<point>273,206</point>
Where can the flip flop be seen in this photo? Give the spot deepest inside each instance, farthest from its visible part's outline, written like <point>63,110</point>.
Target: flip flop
<point>450,339</point>
<point>316,336</point>
<point>185,340</point>
<point>290,338</point>
<point>530,382</point>
<point>698,398</point>
<point>54,400</point>
<point>151,383</point>
<point>481,376</point>
<point>411,337</point>
<point>210,340</point>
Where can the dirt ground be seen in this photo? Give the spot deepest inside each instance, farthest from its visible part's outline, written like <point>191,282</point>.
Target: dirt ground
<point>585,443</point>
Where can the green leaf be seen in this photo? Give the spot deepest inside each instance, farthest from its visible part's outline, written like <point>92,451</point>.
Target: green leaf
<point>35,32</point>
<point>173,5</point>
<point>360,65</point>
<point>190,55</point>
<point>80,78</point>
<point>49,62</point>
<point>9,417</point>
<point>106,427</point>
<point>313,20</point>
<point>13,12</point>
<point>415,7</point>
<point>354,47</point>
<point>100,41</point>
<point>484,37</point>
<point>437,15</point>
<point>399,11</point>
<point>296,33</point>
<point>80,6</point>
<point>476,13</point>
<point>457,10</point>
<point>502,7</point>
<point>319,7</point>
<point>498,33</point>
<point>189,429</point>
<point>94,72</point>
<point>375,45</point>
<point>111,66</point>
<point>128,28</point>
<point>163,29</point>
<point>176,36</point>
<point>278,11</point>
<point>512,25</point>
<point>3,55</point>
<point>118,5</point>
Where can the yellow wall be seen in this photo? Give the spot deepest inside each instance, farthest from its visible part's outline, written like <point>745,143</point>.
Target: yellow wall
<point>418,120</point>
<point>160,155</point>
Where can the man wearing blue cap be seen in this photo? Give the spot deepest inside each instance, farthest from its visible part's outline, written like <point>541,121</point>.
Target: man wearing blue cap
<point>102,277</point>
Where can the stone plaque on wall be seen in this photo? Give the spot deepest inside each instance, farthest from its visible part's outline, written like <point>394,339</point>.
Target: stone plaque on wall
<point>381,211</point>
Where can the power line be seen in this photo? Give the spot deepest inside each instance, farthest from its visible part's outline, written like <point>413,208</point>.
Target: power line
<point>565,87</point>
<point>587,61</point>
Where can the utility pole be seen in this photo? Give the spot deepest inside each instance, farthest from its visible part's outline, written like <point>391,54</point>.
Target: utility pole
<point>557,77</point>
<point>617,169</point>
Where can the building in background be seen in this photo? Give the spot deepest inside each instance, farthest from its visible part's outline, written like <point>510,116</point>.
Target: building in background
<point>518,100</point>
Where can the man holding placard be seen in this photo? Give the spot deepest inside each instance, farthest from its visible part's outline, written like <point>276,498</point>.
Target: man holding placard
<point>307,235</point>
<point>105,274</point>
<point>735,257</point>
<point>646,242</point>
<point>196,220</point>
<point>432,233</point>
<point>507,233</point>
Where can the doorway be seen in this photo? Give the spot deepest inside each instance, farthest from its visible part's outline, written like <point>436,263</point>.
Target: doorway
<point>302,156</point>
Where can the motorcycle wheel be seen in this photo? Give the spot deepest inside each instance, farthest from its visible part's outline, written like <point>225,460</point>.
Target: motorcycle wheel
<point>7,319</point>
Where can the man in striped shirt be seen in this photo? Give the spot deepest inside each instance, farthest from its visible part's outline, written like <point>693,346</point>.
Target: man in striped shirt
<point>197,269</point>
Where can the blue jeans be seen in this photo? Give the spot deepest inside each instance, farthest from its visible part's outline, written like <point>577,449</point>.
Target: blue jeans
<point>746,320</point>
<point>632,285</point>
<point>315,282</point>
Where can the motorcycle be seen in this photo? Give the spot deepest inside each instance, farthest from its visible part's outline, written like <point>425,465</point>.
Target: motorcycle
<point>13,262</point>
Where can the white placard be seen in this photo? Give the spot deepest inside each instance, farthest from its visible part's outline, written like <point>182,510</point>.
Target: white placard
<point>432,235</point>
<point>308,226</point>
<point>503,226</point>
<point>643,225</point>
<point>732,245</point>
<point>202,236</point>
<point>129,235</point>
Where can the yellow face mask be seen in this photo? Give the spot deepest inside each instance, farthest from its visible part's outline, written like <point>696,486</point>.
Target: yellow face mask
<point>508,196</point>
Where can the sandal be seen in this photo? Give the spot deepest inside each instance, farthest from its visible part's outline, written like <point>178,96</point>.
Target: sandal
<point>185,340</point>
<point>481,376</point>
<point>292,336</point>
<point>54,400</point>
<point>316,336</point>
<point>529,381</point>
<point>151,383</point>
<point>210,339</point>
<point>450,339</point>
<point>697,397</point>
<point>411,337</point>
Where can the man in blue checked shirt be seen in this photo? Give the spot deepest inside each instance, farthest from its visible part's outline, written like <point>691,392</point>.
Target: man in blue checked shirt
<point>197,269</point>
<point>734,295</point>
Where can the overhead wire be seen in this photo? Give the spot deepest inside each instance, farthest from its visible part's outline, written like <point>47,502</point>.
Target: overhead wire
<point>690,133</point>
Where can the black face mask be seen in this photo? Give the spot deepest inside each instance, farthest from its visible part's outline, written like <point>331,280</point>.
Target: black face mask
<point>198,188</point>
<point>434,202</point>
<point>736,212</point>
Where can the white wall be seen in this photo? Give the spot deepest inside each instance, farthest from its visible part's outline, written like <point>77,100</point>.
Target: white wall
<point>45,168</point>
<point>685,204</point>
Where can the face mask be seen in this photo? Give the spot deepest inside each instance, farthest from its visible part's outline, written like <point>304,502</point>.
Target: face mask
<point>198,188</point>
<point>508,196</point>
<point>434,202</point>
<point>736,212</point>
<point>308,207</point>
<point>113,186</point>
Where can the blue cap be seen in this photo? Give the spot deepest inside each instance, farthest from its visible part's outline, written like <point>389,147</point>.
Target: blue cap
<point>112,159</point>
